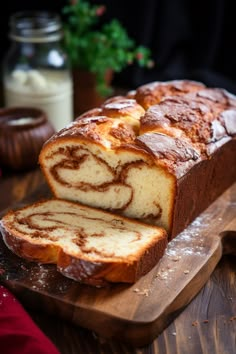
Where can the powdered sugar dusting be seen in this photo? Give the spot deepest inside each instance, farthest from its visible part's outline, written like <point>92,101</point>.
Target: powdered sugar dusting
<point>120,104</point>
<point>44,277</point>
<point>191,240</point>
<point>183,256</point>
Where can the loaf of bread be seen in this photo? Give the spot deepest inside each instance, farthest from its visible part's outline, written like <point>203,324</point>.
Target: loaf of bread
<point>161,154</point>
<point>88,245</point>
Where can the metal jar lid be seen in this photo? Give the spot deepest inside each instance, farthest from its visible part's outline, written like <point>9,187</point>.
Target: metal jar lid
<point>33,26</point>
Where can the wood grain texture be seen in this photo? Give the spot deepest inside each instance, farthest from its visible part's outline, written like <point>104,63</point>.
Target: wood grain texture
<point>206,325</point>
<point>15,187</point>
<point>134,314</point>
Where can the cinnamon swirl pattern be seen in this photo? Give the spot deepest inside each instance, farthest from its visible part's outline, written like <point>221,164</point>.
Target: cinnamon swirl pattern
<point>87,245</point>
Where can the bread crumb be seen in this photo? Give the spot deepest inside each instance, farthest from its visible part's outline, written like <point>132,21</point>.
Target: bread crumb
<point>186,271</point>
<point>195,323</point>
<point>144,292</point>
<point>176,259</point>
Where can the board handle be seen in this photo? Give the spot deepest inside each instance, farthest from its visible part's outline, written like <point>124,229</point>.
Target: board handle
<point>228,238</point>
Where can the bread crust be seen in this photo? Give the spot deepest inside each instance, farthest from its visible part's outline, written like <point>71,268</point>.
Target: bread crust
<point>186,131</point>
<point>152,93</point>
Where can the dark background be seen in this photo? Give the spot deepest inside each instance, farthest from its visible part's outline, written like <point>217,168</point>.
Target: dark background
<point>189,39</point>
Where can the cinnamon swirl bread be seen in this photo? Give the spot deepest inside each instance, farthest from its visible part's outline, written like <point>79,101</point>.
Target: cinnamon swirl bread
<point>161,155</point>
<point>88,245</point>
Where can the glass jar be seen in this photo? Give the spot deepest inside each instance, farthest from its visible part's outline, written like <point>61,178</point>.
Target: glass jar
<point>36,70</point>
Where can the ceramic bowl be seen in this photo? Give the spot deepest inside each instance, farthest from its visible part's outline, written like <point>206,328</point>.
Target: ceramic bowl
<point>23,131</point>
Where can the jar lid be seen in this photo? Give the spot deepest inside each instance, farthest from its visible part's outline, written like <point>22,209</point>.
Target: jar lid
<point>35,26</point>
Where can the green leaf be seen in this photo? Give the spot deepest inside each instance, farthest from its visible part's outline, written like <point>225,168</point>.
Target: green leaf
<point>97,47</point>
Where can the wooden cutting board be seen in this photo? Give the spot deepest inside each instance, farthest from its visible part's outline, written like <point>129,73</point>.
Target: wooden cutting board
<point>134,314</point>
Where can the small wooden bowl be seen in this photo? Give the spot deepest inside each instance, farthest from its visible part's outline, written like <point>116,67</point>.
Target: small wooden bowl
<point>23,131</point>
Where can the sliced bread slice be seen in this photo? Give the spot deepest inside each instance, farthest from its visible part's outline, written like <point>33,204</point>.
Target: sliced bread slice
<point>88,245</point>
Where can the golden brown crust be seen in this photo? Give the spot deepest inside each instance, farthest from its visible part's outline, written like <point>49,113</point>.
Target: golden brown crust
<point>203,118</point>
<point>98,129</point>
<point>170,126</point>
<point>28,250</point>
<point>152,93</point>
<point>101,273</point>
<point>117,107</point>
<point>123,108</point>
<point>175,155</point>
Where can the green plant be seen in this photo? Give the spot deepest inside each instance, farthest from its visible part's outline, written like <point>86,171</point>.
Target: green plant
<point>97,48</point>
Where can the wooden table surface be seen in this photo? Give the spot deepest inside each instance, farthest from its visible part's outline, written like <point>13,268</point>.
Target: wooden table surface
<point>206,325</point>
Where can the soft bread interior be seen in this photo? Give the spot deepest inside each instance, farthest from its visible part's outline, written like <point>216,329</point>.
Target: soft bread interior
<point>86,244</point>
<point>124,181</point>
<point>82,232</point>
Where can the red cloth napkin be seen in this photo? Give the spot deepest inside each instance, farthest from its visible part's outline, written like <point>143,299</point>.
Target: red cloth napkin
<point>18,333</point>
